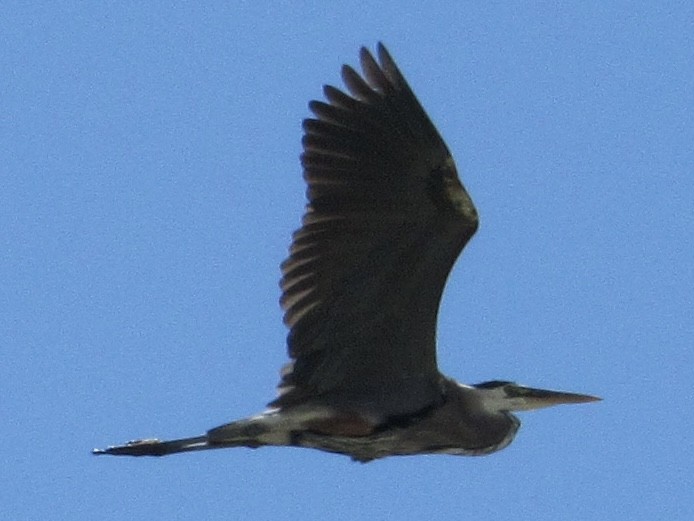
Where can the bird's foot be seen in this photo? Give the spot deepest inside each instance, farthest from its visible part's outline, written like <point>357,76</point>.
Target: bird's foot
<point>146,447</point>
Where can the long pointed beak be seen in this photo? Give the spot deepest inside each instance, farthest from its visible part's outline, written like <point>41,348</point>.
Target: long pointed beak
<point>540,398</point>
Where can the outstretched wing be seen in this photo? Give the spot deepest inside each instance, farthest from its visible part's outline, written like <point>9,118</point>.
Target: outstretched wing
<point>385,221</point>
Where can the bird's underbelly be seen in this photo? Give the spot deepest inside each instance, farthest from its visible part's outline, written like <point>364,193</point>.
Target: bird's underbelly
<point>342,423</point>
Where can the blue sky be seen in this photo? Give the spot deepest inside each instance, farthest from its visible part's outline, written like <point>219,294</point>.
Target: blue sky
<point>150,183</point>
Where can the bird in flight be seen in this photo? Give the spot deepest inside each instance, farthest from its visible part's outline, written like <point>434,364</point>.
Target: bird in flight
<point>386,219</point>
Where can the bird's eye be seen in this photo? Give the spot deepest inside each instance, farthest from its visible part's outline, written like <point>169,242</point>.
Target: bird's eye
<point>513,390</point>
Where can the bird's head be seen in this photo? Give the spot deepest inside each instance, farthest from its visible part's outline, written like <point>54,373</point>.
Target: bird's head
<point>509,396</point>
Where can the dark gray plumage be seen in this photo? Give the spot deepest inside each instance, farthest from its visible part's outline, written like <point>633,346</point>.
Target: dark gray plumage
<point>386,219</point>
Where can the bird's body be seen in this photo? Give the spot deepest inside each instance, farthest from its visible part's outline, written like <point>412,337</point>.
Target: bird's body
<point>386,219</point>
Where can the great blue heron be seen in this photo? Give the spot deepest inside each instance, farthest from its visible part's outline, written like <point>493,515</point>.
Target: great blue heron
<point>386,219</point>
